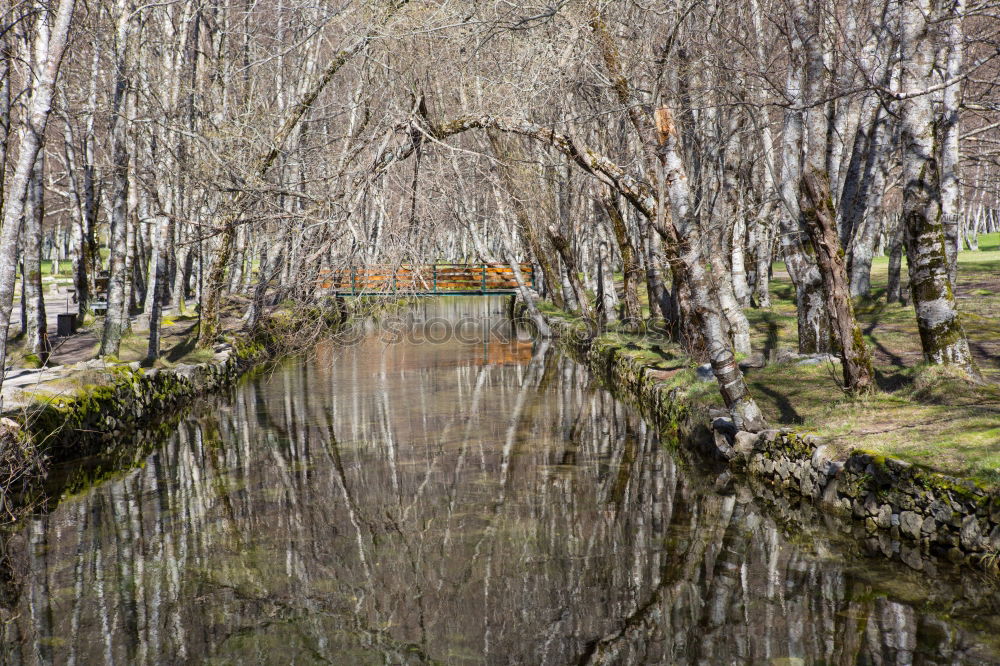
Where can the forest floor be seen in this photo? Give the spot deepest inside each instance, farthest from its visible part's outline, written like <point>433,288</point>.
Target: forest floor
<point>74,356</point>
<point>178,331</point>
<point>921,414</point>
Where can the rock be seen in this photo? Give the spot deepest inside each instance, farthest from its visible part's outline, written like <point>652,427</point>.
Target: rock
<point>745,443</point>
<point>834,468</point>
<point>884,517</point>
<point>753,361</point>
<point>911,557</point>
<point>885,544</point>
<point>994,538</point>
<point>858,508</point>
<point>928,527</point>
<point>910,524</point>
<point>724,425</point>
<point>856,463</point>
<point>8,428</point>
<point>816,359</point>
<point>820,456</point>
<point>898,466</point>
<point>781,467</point>
<point>807,487</point>
<point>704,373</point>
<point>871,505</point>
<point>722,444</point>
<point>830,491</point>
<point>785,355</point>
<point>723,482</point>
<point>941,511</point>
<point>769,436</point>
<point>970,536</point>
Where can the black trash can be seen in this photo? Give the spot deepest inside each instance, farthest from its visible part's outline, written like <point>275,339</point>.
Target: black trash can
<point>66,324</point>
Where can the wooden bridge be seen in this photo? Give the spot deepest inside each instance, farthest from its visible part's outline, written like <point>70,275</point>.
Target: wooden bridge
<point>427,279</point>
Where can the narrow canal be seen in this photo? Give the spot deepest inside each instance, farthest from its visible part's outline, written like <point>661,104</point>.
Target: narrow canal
<point>447,492</point>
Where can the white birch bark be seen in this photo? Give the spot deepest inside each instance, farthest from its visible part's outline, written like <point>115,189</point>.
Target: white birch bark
<point>745,412</point>
<point>31,136</point>
<point>949,131</point>
<point>116,321</point>
<point>813,318</point>
<point>941,333</point>
<point>34,299</point>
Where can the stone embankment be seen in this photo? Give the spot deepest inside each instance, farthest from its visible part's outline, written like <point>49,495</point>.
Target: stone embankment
<point>908,512</point>
<point>82,412</point>
<point>66,419</point>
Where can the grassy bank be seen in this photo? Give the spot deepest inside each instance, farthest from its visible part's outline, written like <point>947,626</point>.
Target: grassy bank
<point>921,414</point>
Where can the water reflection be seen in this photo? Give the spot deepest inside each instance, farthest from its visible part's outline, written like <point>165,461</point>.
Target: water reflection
<point>452,502</point>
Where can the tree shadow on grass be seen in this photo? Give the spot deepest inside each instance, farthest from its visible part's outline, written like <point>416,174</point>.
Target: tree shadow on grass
<point>892,380</point>
<point>893,357</point>
<point>787,411</point>
<point>182,349</point>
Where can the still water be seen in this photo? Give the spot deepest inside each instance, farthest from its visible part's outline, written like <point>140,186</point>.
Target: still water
<point>433,498</point>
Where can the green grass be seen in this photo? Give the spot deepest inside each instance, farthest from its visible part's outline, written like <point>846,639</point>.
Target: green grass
<point>989,242</point>
<point>925,415</point>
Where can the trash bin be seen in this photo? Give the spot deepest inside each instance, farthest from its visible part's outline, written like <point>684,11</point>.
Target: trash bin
<point>66,324</point>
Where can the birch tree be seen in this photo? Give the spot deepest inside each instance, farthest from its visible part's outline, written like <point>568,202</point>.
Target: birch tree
<point>30,138</point>
<point>941,333</point>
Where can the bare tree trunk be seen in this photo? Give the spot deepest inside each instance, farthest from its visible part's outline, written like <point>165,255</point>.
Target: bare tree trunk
<point>5,109</point>
<point>865,214</point>
<point>269,269</point>
<point>737,253</point>
<point>631,271</point>
<point>813,318</point>
<point>763,235</point>
<point>656,291</point>
<point>116,321</point>
<point>606,298</point>
<point>157,289</point>
<point>745,412</point>
<point>821,222</point>
<point>572,271</point>
<point>816,209</point>
<point>34,300</point>
<point>949,132</point>
<point>941,333</point>
<point>37,117</point>
<point>87,263</point>
<point>893,292</point>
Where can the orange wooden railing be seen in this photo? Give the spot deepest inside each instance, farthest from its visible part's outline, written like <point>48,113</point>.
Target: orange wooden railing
<point>428,279</point>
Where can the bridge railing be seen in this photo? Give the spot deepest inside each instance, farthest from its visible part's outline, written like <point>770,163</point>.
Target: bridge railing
<point>425,279</point>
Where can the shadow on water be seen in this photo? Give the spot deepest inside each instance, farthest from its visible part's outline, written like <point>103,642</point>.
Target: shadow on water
<point>453,501</point>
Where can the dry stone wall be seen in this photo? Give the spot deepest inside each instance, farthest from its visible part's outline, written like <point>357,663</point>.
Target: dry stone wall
<point>911,513</point>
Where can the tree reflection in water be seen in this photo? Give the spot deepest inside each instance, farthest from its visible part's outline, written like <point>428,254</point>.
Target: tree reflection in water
<point>450,502</point>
